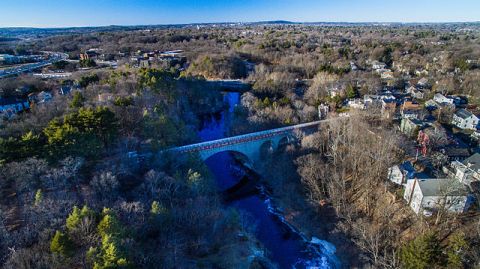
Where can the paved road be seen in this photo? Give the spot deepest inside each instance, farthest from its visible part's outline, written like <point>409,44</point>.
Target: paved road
<point>53,58</point>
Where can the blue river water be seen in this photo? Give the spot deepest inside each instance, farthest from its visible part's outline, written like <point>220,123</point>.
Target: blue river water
<point>285,248</point>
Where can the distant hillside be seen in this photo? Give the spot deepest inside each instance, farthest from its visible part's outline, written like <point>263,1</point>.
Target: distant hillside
<point>30,32</point>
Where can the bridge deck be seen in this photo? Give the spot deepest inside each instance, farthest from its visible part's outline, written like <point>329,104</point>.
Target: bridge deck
<point>242,138</point>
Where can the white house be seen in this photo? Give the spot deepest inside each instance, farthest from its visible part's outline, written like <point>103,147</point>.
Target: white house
<point>395,175</point>
<point>400,174</point>
<point>464,119</point>
<point>428,195</point>
<point>442,99</point>
<point>468,170</point>
<point>356,103</point>
<point>376,65</point>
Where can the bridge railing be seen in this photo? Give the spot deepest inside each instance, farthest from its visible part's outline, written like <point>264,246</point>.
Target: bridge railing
<point>242,138</point>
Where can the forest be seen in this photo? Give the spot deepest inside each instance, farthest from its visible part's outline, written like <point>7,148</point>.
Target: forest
<point>82,184</point>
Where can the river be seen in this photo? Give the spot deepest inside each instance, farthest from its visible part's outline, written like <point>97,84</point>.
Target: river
<point>285,247</point>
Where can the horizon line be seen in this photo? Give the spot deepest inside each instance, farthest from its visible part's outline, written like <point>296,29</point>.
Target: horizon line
<point>240,22</point>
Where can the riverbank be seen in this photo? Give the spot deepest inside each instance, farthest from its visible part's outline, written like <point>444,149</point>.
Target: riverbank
<point>283,245</point>
<point>321,253</point>
<point>314,221</point>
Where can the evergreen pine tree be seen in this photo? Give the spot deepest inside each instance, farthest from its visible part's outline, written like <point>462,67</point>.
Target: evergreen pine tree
<point>73,219</point>
<point>422,252</point>
<point>457,247</point>
<point>61,244</point>
<point>77,100</point>
<point>38,197</point>
<point>109,225</point>
<point>351,92</point>
<point>87,212</point>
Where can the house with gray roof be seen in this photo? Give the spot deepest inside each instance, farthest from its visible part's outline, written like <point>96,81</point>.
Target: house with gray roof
<point>442,99</point>
<point>426,196</point>
<point>465,119</point>
<point>468,170</point>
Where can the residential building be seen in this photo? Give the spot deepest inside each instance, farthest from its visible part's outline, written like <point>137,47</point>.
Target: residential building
<point>356,103</point>
<point>376,65</point>
<point>437,134</point>
<point>90,54</point>
<point>428,195</point>
<point>410,109</point>
<point>464,119</point>
<point>370,99</point>
<point>416,93</point>
<point>431,105</point>
<point>456,153</point>
<point>468,170</point>
<point>423,83</point>
<point>399,174</point>
<point>442,99</point>
<point>410,126</point>
<point>475,135</point>
<point>389,107</point>
<point>40,98</point>
<point>9,106</point>
<point>386,74</point>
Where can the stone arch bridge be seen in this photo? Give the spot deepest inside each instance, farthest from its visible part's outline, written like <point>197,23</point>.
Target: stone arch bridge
<point>249,145</point>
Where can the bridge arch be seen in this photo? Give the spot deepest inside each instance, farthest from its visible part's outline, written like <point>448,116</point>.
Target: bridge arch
<point>229,166</point>
<point>242,157</point>
<point>282,144</point>
<point>248,144</point>
<point>266,148</point>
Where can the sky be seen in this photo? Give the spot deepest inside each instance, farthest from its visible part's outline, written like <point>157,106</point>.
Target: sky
<point>66,13</point>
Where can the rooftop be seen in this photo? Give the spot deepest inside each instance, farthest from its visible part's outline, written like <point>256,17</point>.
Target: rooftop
<point>410,105</point>
<point>473,162</point>
<point>10,100</point>
<point>441,187</point>
<point>463,113</point>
